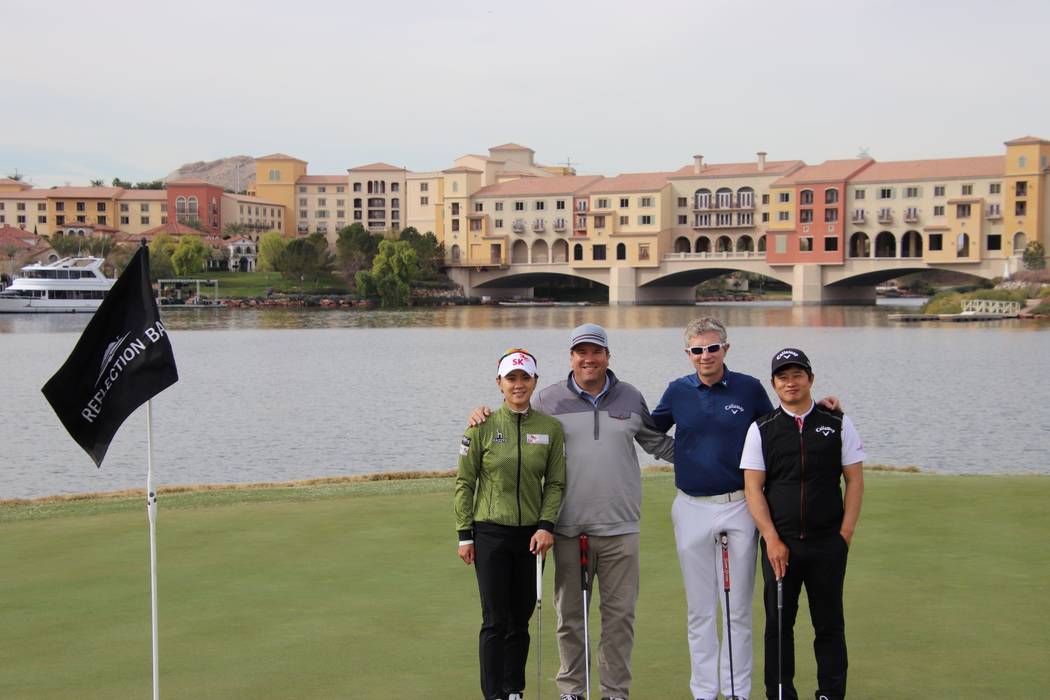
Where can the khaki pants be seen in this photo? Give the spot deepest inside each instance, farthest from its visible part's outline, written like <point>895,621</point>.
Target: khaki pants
<point>614,571</point>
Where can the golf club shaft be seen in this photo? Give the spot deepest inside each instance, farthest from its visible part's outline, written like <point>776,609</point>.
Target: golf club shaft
<point>539,621</point>
<point>780,639</point>
<point>723,538</point>
<point>585,584</point>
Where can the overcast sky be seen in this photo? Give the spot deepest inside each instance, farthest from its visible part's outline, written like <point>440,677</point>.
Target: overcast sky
<point>135,89</point>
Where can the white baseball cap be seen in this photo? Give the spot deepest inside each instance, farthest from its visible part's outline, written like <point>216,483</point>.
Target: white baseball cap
<point>517,359</point>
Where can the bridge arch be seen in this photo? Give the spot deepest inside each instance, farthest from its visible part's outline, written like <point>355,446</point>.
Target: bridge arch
<point>885,245</point>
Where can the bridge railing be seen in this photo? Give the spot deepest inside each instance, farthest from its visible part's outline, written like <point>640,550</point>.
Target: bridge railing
<point>725,255</point>
<point>991,306</point>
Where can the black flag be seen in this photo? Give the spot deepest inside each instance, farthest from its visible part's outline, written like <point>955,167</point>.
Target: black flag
<point>122,360</point>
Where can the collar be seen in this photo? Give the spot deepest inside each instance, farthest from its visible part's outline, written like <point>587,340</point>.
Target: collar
<point>511,412</point>
<point>812,405</point>
<point>694,379</point>
<point>576,387</point>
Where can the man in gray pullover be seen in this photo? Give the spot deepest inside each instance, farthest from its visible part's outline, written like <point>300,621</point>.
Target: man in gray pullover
<point>602,418</point>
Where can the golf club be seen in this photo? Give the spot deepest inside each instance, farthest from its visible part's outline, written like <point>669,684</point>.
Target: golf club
<point>723,538</point>
<point>539,620</point>
<point>780,638</point>
<point>585,583</point>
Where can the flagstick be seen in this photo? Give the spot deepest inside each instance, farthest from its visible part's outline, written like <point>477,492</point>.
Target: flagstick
<point>151,509</point>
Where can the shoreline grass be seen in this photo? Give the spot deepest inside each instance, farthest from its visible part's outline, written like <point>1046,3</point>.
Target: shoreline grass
<point>352,589</point>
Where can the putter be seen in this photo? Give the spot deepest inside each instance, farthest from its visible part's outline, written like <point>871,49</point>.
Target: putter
<point>723,538</point>
<point>780,639</point>
<point>585,583</point>
<point>540,561</point>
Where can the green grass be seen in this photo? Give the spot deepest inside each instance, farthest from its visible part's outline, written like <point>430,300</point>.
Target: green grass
<point>256,284</point>
<point>353,590</point>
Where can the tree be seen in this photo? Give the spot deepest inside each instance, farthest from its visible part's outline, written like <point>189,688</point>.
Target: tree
<point>356,248</point>
<point>271,246</point>
<point>67,245</point>
<point>234,229</point>
<point>430,252</point>
<point>1034,256</point>
<point>17,176</point>
<point>98,183</point>
<point>100,246</point>
<point>160,251</point>
<point>306,257</point>
<point>189,256</point>
<point>117,182</point>
<point>394,268</point>
<point>197,224</point>
<point>150,185</point>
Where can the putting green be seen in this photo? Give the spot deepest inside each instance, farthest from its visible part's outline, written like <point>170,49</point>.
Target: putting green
<point>355,591</point>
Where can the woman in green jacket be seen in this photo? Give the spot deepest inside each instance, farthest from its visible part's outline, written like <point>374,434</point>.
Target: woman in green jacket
<point>508,492</point>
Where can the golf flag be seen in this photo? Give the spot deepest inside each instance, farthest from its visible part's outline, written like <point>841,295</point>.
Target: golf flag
<point>122,360</point>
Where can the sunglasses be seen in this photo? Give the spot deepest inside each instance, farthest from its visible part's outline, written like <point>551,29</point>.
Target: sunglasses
<point>709,349</point>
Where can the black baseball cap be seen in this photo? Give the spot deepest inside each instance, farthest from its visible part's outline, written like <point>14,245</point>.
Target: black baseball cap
<point>788,357</point>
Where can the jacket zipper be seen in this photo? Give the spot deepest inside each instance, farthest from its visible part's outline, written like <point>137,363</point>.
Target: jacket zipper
<point>517,487</point>
<point>802,487</point>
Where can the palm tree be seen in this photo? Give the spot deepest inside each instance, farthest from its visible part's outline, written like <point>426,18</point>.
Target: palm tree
<point>97,183</point>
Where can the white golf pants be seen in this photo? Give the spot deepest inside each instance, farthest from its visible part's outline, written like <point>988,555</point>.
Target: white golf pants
<point>697,524</point>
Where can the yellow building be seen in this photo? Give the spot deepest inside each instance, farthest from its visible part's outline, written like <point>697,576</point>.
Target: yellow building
<point>275,181</point>
<point>1027,196</point>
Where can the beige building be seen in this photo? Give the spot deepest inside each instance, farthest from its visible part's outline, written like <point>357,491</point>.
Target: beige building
<point>323,202</point>
<point>257,214</point>
<point>377,196</point>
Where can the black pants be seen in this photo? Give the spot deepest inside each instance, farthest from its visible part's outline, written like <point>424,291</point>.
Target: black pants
<point>820,565</point>
<point>506,573</point>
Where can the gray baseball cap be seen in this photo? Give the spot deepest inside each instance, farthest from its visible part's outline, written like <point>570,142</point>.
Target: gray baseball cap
<point>589,333</point>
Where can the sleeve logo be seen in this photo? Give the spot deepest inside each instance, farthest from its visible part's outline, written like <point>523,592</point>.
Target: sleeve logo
<point>537,439</point>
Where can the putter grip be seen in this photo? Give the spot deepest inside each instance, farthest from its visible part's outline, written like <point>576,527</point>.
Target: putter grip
<point>584,552</point>
<point>780,593</point>
<point>723,538</point>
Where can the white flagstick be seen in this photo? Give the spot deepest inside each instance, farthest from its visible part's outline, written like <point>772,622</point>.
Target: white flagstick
<point>151,510</point>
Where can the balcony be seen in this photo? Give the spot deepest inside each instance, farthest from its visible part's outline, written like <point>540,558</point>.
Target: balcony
<point>994,213</point>
<point>559,225</point>
<point>538,226</point>
<point>736,203</point>
<point>885,216</point>
<point>911,216</point>
<point>859,218</point>
<point>519,227</point>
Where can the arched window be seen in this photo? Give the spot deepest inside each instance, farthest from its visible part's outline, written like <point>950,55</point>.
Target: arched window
<point>702,198</point>
<point>805,197</point>
<point>885,245</point>
<point>519,252</point>
<point>724,197</point>
<point>962,246</point>
<point>703,244</point>
<point>621,251</point>
<point>577,252</point>
<point>745,244</point>
<point>540,251</point>
<point>831,196</point>
<point>724,244</point>
<point>1020,242</point>
<point>860,245</point>
<point>455,253</point>
<point>911,245</point>
<point>761,244</point>
<point>560,252</point>
<point>191,206</point>
<point>745,198</point>
<point>681,245</point>
<point>180,205</point>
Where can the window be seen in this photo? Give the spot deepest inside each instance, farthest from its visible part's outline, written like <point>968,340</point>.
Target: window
<point>962,211</point>
<point>479,206</point>
<point>645,219</point>
<point>684,201</point>
<point>781,243</point>
<point>581,222</point>
<point>41,206</point>
<point>938,210</point>
<point>60,220</point>
<point>42,219</point>
<point>1020,208</point>
<point>858,194</point>
<point>967,190</point>
<point>625,219</point>
<point>683,219</point>
<point>21,218</point>
<point>302,213</point>
<point>424,187</point>
<point>831,216</point>
<point>599,222</point>
<point>643,251</point>
<point>322,202</point>
<point>995,241</point>
<point>805,197</point>
<point>783,197</point>
<point>357,187</point>
<point>831,196</point>
<point>519,206</point>
<point>357,202</point>
<point>885,193</point>
<point>322,214</point>
<point>783,216</point>
<point>357,215</point>
<point>765,199</point>
<point>938,190</point>
<point>321,189</point>
<point>100,206</point>
<point>302,201</point>
<point>163,220</point>
<point>911,192</point>
<point>646,202</point>
<point>624,202</point>
<point>455,186</point>
<point>560,204</point>
<point>621,251</point>
<point>765,217</point>
<point>577,252</point>
<point>340,188</point>
<point>541,205</point>
<point>81,219</point>
<point>1020,188</point>
<point>20,206</point>
<point>123,206</point>
<point>475,224</point>
<point>602,203</point>
<point>302,189</point>
<point>805,216</point>
<point>598,252</point>
<point>995,188</point>
<point>499,206</point>
<point>124,220</point>
<point>805,244</point>
<point>455,209</point>
<point>499,223</point>
<point>144,220</point>
<point>60,206</point>
<point>831,244</point>
<point>1021,161</point>
<point>340,213</point>
<point>274,175</point>
<point>395,186</point>
<point>101,220</point>
<point>81,206</point>
<point>993,210</point>
<point>455,224</point>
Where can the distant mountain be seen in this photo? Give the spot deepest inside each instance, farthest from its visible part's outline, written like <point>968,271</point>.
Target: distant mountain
<point>234,173</point>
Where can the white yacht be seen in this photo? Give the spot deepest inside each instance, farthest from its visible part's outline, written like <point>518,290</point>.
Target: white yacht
<point>70,285</point>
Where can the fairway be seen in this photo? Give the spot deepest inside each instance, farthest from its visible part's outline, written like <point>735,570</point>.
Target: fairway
<point>355,591</point>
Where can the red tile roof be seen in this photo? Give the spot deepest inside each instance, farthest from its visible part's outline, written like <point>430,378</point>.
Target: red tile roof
<point>462,169</point>
<point>828,171</point>
<point>11,181</point>
<point>151,195</point>
<point>374,167</point>
<point>18,237</point>
<point>539,186</point>
<point>935,169</point>
<point>1027,140</point>
<point>512,147</point>
<point>192,182</point>
<point>34,193</point>
<point>84,192</point>
<point>773,167</point>
<point>279,156</point>
<point>629,182</point>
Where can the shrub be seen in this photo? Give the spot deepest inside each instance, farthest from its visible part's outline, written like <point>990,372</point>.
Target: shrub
<point>944,303</point>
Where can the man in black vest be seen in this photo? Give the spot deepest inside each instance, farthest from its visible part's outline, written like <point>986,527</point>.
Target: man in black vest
<point>794,459</point>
